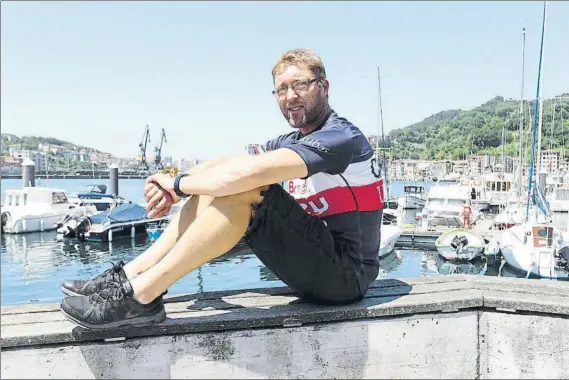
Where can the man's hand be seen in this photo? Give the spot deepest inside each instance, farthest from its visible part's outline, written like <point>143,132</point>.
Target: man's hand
<point>160,195</point>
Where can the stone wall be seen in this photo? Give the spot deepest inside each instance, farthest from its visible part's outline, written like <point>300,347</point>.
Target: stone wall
<point>462,345</point>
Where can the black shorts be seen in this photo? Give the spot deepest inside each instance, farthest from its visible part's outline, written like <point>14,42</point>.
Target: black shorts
<point>300,250</point>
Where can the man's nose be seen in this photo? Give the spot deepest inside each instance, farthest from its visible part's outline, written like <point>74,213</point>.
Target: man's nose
<point>291,94</point>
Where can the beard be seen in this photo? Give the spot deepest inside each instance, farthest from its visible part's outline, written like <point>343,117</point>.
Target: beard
<point>309,114</point>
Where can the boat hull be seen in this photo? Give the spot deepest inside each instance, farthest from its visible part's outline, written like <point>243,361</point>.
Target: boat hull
<point>537,261</point>
<point>19,225</point>
<point>114,233</point>
<point>471,245</point>
<point>389,236</point>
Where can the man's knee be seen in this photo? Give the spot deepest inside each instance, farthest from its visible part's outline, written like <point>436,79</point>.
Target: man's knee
<point>251,197</point>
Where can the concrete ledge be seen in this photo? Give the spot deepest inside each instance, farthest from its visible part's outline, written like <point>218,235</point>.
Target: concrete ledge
<point>402,328</point>
<point>29,325</point>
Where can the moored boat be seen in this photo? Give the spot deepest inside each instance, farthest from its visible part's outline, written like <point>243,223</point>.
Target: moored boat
<point>32,209</point>
<point>460,244</point>
<point>389,236</point>
<point>125,220</point>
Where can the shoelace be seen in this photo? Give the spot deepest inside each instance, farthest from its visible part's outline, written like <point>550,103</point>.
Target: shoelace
<point>114,292</point>
<point>114,271</point>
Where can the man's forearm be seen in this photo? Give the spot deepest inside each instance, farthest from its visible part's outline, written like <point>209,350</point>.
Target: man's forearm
<point>230,175</point>
<point>238,174</point>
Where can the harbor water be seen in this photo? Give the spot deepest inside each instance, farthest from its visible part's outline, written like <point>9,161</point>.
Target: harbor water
<point>34,265</point>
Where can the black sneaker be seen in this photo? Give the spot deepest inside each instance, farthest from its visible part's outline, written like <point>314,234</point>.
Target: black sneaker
<point>88,287</point>
<point>112,307</point>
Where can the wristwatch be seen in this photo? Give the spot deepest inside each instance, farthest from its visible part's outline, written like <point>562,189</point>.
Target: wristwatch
<point>177,185</point>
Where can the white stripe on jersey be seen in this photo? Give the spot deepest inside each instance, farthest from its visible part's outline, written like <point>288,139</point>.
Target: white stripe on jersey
<point>356,174</point>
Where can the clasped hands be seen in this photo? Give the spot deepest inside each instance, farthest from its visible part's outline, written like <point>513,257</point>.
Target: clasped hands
<point>159,194</point>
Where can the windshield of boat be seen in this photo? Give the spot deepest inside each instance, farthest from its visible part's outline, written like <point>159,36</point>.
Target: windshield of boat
<point>436,202</point>
<point>446,182</point>
<point>58,197</point>
<point>456,202</point>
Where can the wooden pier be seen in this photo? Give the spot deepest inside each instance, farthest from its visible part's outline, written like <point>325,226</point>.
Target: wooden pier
<point>415,237</point>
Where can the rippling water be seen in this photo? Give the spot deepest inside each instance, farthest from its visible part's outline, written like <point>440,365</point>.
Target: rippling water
<point>35,264</point>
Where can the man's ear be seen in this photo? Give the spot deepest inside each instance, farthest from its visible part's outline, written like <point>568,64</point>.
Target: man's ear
<point>325,86</point>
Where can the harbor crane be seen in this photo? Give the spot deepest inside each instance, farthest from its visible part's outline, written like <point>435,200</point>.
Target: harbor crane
<point>142,164</point>
<point>157,159</point>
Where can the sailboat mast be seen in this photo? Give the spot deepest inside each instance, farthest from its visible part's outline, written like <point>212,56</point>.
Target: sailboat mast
<point>552,125</point>
<point>382,135</point>
<point>537,102</point>
<point>522,112</point>
<point>562,133</point>
<point>504,148</point>
<point>540,123</point>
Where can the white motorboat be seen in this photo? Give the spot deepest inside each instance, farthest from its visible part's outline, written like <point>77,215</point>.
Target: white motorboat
<point>477,192</point>
<point>96,195</point>
<point>498,187</point>
<point>460,244</point>
<point>124,220</point>
<point>413,197</point>
<point>32,209</point>
<point>444,206</point>
<point>389,236</point>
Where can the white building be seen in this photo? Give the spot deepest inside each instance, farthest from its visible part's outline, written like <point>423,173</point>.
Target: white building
<point>19,153</point>
<point>550,161</point>
<point>41,161</point>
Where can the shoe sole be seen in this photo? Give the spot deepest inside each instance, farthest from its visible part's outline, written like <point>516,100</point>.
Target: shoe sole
<point>70,293</point>
<point>134,322</point>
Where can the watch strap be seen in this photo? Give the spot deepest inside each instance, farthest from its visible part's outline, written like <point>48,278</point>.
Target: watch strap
<point>177,185</point>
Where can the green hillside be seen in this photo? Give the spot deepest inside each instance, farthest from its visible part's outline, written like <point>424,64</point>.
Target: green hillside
<point>32,142</point>
<point>454,134</point>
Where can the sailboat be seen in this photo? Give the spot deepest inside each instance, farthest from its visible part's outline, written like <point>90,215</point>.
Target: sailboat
<point>389,202</point>
<point>536,246</point>
<point>389,233</point>
<point>513,212</point>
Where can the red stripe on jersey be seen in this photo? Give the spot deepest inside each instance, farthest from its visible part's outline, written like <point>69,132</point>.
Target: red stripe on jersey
<point>339,200</point>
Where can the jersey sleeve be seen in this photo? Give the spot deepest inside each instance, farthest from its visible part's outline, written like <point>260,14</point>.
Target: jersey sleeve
<point>274,143</point>
<point>329,150</point>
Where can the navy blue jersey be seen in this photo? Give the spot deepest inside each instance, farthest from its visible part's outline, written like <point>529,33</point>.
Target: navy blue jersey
<point>343,186</point>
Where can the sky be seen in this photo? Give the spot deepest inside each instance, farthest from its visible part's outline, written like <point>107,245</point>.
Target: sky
<point>96,73</point>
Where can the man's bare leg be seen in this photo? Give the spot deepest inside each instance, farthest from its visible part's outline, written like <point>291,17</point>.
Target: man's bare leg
<point>178,224</point>
<point>214,232</point>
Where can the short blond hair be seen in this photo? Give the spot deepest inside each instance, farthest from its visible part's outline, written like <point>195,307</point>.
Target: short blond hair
<point>300,57</point>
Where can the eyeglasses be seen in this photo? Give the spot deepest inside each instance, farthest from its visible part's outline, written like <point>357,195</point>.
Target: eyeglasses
<point>298,86</point>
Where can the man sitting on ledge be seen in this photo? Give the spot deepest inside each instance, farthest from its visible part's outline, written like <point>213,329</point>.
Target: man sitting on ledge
<point>310,208</point>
